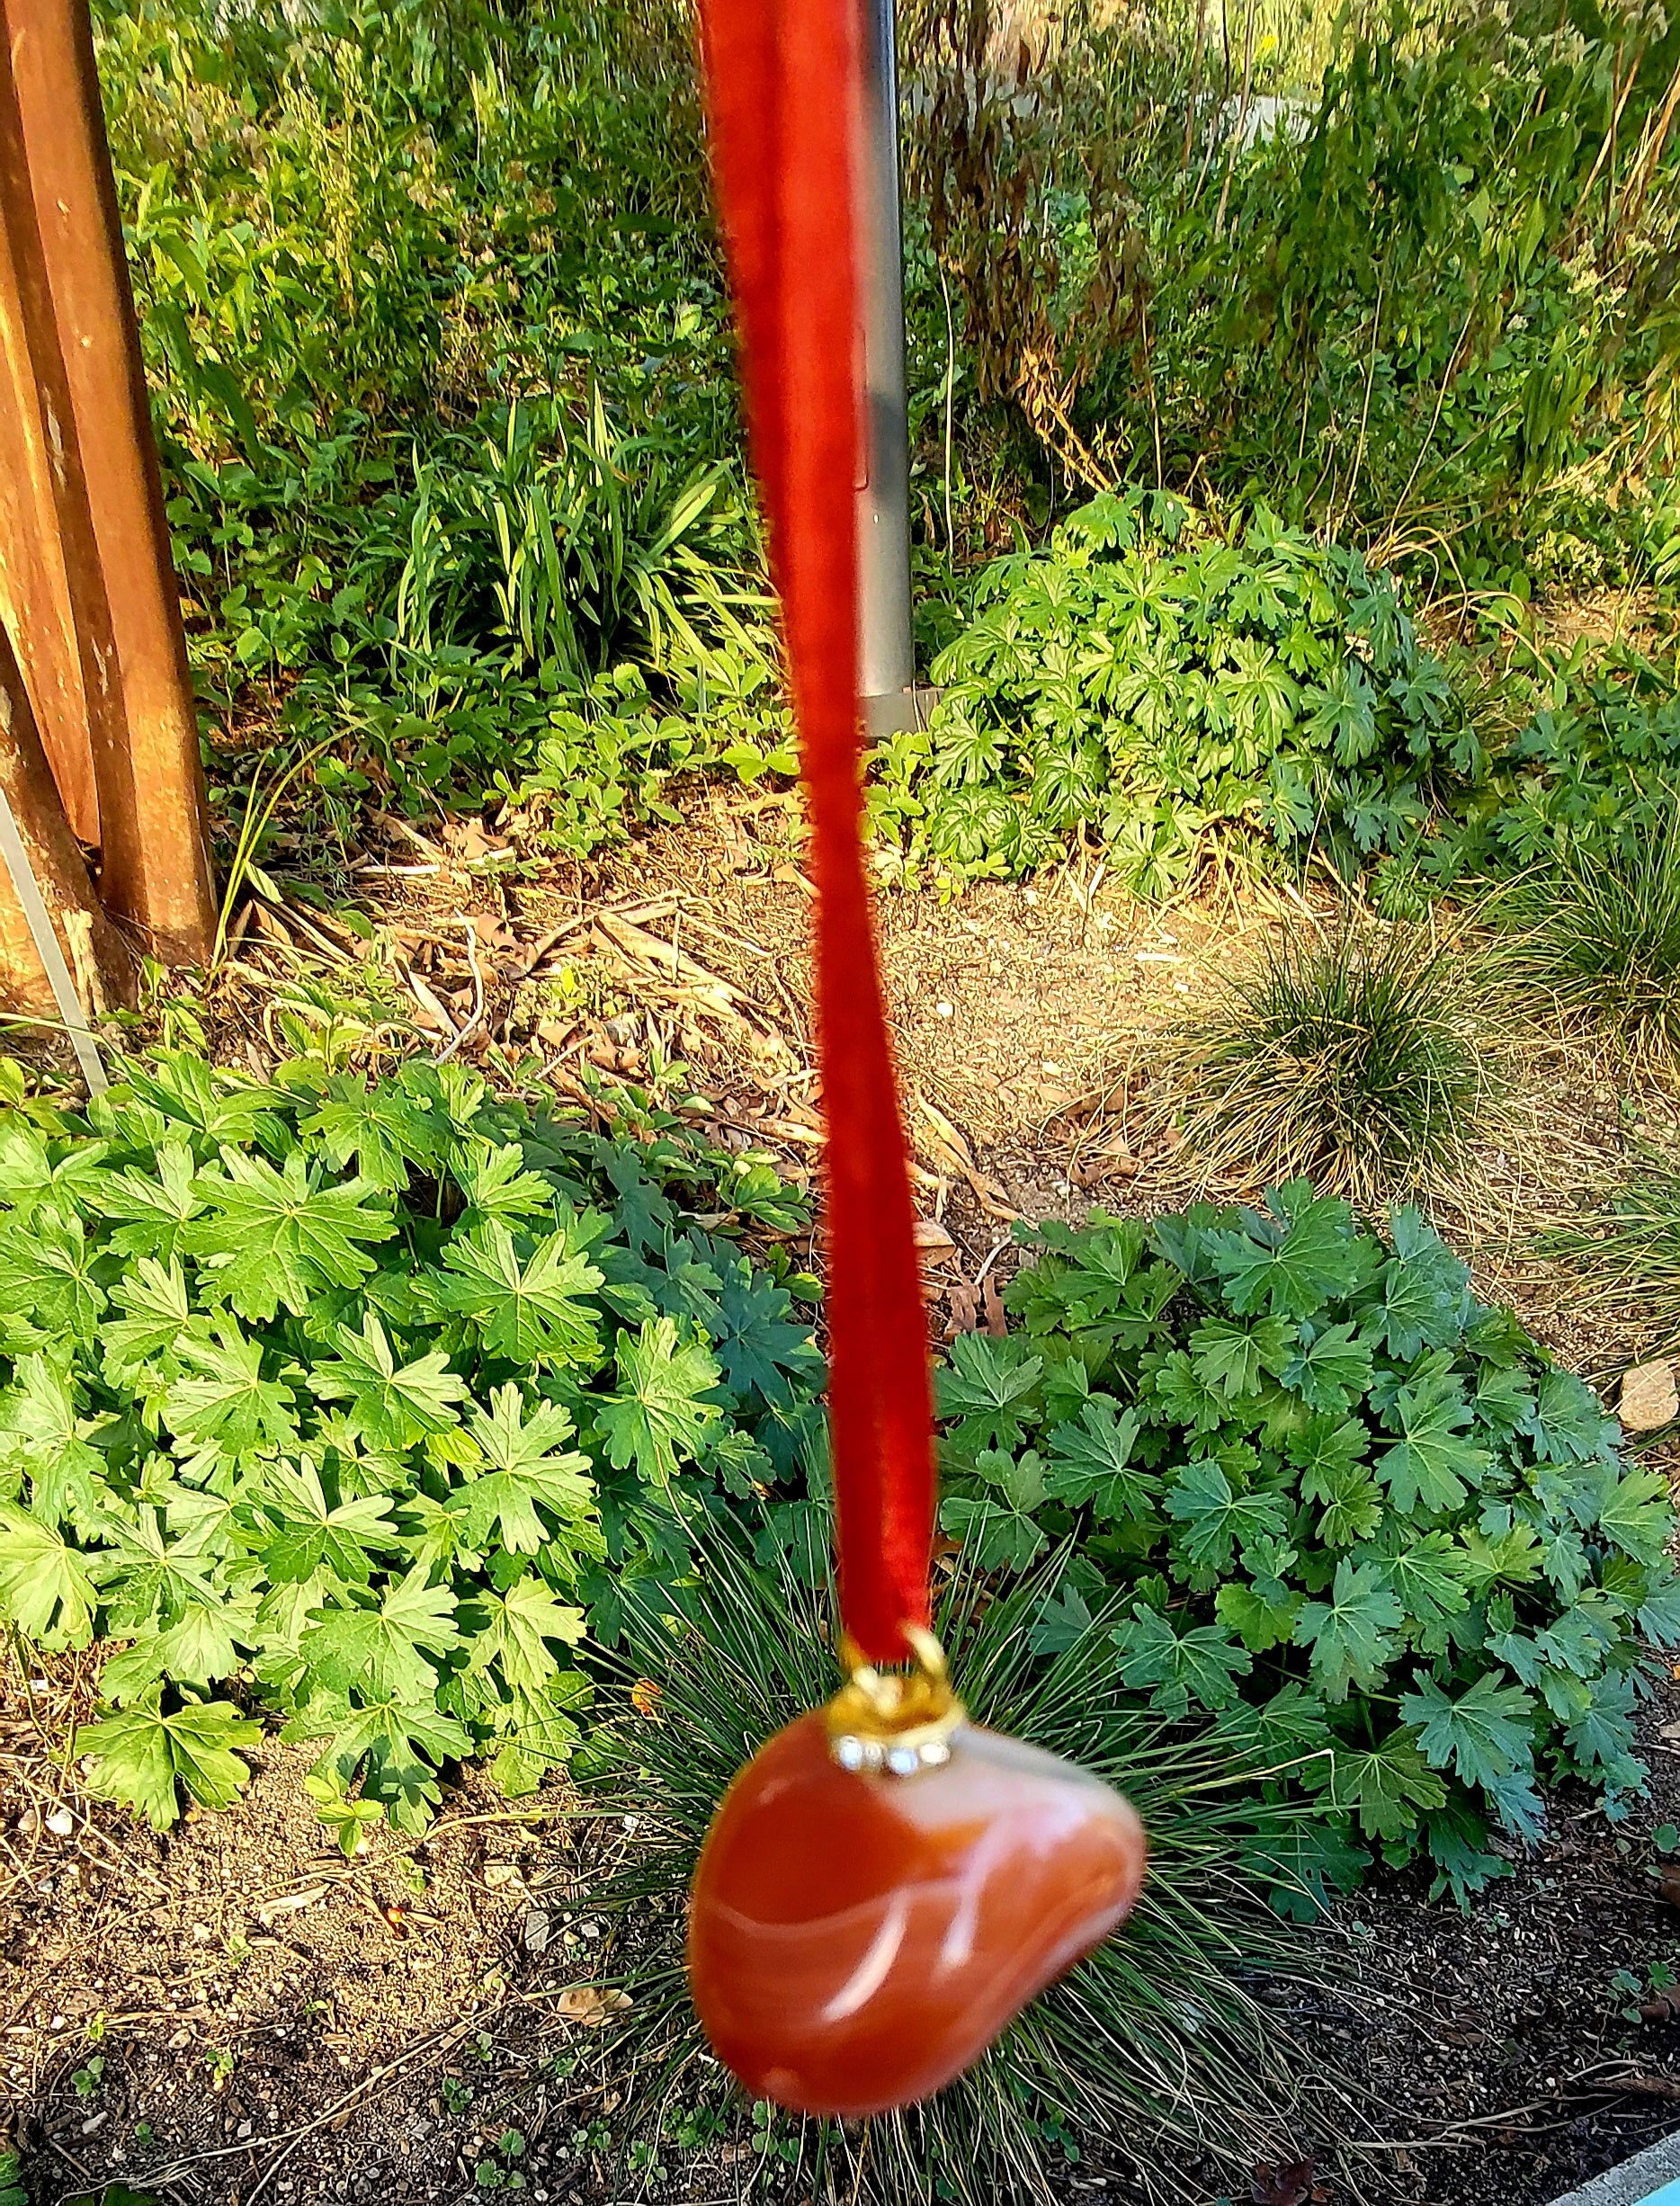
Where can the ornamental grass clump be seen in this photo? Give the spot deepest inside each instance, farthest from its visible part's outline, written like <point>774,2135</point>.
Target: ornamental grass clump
<point>1624,1252</point>
<point>1358,1057</point>
<point>1165,2051</point>
<point>1595,925</point>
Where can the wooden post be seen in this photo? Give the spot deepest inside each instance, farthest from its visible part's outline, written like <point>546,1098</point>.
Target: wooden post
<point>28,336</point>
<point>34,590</point>
<point>171,898</point>
<point>92,949</point>
<point>155,869</point>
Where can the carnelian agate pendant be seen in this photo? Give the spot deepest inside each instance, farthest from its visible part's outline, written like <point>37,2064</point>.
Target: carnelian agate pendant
<point>886,1885</point>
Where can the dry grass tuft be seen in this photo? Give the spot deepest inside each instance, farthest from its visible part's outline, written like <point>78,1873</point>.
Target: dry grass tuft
<point>1361,1057</point>
<point>1596,925</point>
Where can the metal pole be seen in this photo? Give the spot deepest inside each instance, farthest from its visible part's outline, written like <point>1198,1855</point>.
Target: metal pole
<point>885,653</point>
<point>51,896</point>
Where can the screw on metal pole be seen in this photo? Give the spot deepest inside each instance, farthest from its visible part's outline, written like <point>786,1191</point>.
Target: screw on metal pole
<point>886,651</point>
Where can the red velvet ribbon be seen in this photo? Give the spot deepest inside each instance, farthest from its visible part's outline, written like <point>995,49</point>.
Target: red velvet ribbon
<point>783,96</point>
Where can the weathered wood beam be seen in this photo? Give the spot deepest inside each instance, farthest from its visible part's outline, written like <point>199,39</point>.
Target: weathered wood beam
<point>95,954</point>
<point>163,884</point>
<point>30,341</point>
<point>34,589</point>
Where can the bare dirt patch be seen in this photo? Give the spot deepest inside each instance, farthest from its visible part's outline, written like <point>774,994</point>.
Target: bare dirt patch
<point>232,2011</point>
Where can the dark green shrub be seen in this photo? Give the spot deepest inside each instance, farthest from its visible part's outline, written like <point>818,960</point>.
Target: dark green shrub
<point>371,1398</point>
<point>1136,683</point>
<point>1592,759</point>
<point>1159,2052</point>
<point>1351,1512</point>
<point>1357,1058</point>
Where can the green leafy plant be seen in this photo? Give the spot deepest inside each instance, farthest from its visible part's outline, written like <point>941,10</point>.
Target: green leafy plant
<point>1348,1511</point>
<point>1426,306</point>
<point>1358,1056</point>
<point>1588,757</point>
<point>1141,685</point>
<point>361,248</point>
<point>1633,1991</point>
<point>370,1399</point>
<point>1178,1993</point>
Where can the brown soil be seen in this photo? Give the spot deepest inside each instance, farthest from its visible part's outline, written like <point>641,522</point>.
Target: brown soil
<point>275,2025</point>
<point>1501,2067</point>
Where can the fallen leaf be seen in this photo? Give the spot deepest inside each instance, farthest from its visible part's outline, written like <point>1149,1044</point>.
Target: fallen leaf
<point>466,840</point>
<point>432,1011</point>
<point>1648,2086</point>
<point>591,2006</point>
<point>933,1243</point>
<point>949,1138</point>
<point>1286,2183</point>
<point>1668,1883</point>
<point>497,1873</point>
<point>646,1696</point>
<point>269,1913</point>
<point>992,1309</point>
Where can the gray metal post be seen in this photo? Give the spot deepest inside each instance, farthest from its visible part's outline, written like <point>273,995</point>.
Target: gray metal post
<point>885,653</point>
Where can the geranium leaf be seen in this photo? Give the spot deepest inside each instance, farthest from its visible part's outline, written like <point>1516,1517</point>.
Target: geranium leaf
<point>1351,1634</point>
<point>275,1238</point>
<point>1431,1466</point>
<point>380,1646</point>
<point>1485,1736</point>
<point>1291,1262</point>
<point>663,1405</point>
<point>521,1466</point>
<point>996,1535</point>
<point>986,1388</point>
<point>538,1309</point>
<point>140,1754</point>
<point>1216,1517</point>
<point>391,1405</point>
<point>1201,1662</point>
<point>1387,1787</point>
<point>1090,1465</point>
<point>45,1587</point>
<point>521,1622</point>
<point>224,1399</point>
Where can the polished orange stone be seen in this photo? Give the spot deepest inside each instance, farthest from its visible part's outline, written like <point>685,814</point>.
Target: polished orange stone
<point>855,1941</point>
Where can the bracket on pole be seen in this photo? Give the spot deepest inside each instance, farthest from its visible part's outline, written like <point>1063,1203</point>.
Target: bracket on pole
<point>887,685</point>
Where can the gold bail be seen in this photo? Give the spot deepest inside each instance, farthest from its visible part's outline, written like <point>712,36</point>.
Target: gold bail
<point>894,1722</point>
